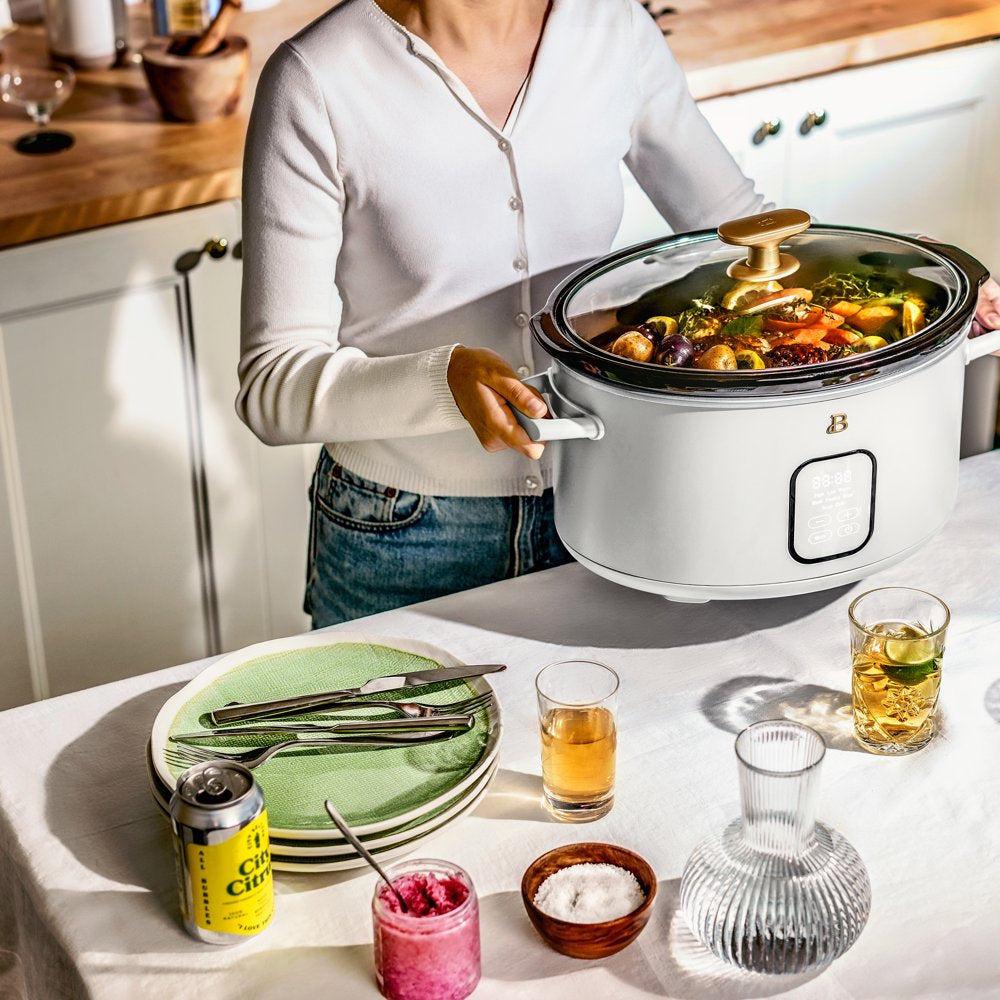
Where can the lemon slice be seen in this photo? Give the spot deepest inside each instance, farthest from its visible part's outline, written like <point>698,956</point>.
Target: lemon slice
<point>666,326</point>
<point>866,344</point>
<point>744,292</point>
<point>913,318</point>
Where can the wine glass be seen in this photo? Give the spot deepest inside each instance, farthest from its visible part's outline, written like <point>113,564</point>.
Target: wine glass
<point>39,90</point>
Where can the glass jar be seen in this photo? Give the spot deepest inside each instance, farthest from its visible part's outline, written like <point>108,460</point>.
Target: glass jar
<point>431,957</point>
<point>777,892</point>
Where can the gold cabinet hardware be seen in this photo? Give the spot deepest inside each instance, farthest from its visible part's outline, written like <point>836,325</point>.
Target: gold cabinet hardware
<point>815,119</point>
<point>766,128</point>
<point>762,235</point>
<point>216,248</point>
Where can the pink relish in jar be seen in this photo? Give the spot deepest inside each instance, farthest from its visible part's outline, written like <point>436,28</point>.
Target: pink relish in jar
<point>431,952</point>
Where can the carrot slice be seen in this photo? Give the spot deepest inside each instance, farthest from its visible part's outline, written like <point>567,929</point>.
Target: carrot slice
<point>842,338</point>
<point>871,319</point>
<point>805,335</point>
<point>845,308</point>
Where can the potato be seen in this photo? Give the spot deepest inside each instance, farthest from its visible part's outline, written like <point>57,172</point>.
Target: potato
<point>633,345</point>
<point>718,358</point>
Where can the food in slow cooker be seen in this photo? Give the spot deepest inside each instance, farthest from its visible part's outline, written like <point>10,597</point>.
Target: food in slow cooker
<point>750,326</point>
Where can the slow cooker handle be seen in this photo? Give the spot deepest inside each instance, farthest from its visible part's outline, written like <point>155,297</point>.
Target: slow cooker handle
<point>556,428</point>
<point>974,270</point>
<point>979,347</point>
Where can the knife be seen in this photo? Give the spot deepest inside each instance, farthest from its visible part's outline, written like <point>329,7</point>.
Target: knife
<point>355,727</point>
<point>310,702</point>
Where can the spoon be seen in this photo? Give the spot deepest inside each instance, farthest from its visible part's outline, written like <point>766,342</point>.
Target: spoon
<point>341,825</point>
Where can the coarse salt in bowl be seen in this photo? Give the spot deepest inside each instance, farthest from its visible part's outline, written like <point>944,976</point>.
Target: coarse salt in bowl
<point>612,879</point>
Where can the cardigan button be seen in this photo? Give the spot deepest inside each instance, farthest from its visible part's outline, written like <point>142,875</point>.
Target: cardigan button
<point>521,319</point>
<point>504,146</point>
<point>520,264</point>
<point>514,203</point>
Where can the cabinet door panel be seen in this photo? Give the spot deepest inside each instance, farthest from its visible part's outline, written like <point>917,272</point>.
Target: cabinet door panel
<point>737,119</point>
<point>908,173</point>
<point>99,422</point>
<point>16,683</point>
<point>257,500</point>
<point>904,145</point>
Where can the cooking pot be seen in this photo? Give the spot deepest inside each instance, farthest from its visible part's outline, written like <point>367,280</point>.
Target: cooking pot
<point>702,485</point>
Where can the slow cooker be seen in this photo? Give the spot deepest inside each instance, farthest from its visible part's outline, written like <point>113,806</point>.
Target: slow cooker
<point>703,484</point>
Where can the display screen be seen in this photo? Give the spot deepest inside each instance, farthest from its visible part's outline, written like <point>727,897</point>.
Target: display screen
<point>832,506</point>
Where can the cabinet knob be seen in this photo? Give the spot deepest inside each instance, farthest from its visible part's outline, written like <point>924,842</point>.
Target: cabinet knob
<point>764,129</point>
<point>215,248</point>
<point>814,119</point>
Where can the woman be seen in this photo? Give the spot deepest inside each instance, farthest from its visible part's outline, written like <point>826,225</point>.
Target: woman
<point>418,175</point>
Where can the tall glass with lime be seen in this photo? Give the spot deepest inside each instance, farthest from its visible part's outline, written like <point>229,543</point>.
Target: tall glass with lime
<point>897,645</point>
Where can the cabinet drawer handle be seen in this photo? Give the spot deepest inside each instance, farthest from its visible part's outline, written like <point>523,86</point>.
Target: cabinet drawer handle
<point>814,119</point>
<point>771,127</point>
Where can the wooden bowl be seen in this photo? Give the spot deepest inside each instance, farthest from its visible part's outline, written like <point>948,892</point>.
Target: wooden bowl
<point>588,940</point>
<point>197,88</point>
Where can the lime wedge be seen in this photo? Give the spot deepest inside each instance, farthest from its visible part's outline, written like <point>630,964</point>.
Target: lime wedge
<point>911,652</point>
<point>911,674</point>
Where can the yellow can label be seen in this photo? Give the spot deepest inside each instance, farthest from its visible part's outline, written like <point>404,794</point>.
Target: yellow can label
<point>231,891</point>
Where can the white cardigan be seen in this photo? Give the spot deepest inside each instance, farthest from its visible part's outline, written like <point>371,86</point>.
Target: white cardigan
<point>386,219</point>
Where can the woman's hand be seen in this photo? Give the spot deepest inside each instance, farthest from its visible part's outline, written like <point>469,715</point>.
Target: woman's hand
<point>987,310</point>
<point>483,385</point>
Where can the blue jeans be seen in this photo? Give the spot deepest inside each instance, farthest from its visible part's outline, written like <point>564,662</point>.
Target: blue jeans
<point>375,547</point>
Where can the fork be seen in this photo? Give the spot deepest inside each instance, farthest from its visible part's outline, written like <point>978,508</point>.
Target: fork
<point>186,754</point>
<point>421,709</point>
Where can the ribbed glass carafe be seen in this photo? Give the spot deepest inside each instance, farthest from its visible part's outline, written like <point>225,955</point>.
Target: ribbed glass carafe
<point>777,892</point>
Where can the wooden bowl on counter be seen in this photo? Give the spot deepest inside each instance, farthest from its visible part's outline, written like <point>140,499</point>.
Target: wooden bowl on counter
<point>595,940</point>
<point>197,88</point>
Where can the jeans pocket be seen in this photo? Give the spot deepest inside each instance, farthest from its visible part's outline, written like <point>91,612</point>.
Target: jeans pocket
<point>362,504</point>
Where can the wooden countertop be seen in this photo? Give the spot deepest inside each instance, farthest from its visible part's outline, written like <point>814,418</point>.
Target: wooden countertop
<point>128,163</point>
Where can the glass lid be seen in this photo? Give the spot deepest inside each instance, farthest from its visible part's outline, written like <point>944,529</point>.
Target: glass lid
<point>767,301</point>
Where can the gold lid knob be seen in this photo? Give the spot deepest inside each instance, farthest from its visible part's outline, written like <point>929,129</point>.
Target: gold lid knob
<point>762,235</point>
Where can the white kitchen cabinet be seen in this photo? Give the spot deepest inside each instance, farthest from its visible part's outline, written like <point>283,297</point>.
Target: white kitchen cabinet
<point>137,512</point>
<point>907,146</point>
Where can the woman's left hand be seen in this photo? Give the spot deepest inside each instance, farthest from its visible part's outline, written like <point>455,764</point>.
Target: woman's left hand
<point>987,310</point>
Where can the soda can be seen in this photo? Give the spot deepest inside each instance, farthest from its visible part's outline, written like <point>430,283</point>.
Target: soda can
<point>222,852</point>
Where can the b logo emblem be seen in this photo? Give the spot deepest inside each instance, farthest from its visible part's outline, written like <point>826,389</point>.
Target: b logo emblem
<point>838,423</point>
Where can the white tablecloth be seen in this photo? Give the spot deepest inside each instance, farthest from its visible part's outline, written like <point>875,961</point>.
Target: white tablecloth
<point>87,896</point>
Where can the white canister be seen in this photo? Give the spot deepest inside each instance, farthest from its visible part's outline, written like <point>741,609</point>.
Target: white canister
<point>82,32</point>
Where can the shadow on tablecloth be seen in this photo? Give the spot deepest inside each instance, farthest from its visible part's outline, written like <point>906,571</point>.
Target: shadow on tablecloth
<point>634,619</point>
<point>666,960</point>
<point>735,704</point>
<point>992,701</point>
<point>514,795</point>
<point>114,750</point>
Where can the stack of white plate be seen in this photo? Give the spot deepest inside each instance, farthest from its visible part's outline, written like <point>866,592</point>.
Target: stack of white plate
<point>394,799</point>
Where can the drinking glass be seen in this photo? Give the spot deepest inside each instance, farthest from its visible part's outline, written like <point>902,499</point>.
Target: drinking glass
<point>39,90</point>
<point>897,644</point>
<point>577,708</point>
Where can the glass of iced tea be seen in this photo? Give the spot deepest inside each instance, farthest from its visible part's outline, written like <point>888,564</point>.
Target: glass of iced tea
<point>577,708</point>
<point>897,644</point>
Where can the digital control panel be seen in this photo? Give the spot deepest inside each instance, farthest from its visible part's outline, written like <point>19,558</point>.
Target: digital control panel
<point>831,506</point>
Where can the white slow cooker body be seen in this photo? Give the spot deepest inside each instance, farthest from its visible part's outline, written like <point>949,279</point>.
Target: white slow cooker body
<point>723,498</point>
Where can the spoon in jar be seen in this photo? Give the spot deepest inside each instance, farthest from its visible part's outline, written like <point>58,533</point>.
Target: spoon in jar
<point>341,825</point>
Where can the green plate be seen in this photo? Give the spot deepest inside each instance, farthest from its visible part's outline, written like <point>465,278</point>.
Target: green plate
<point>374,790</point>
<point>320,860</point>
